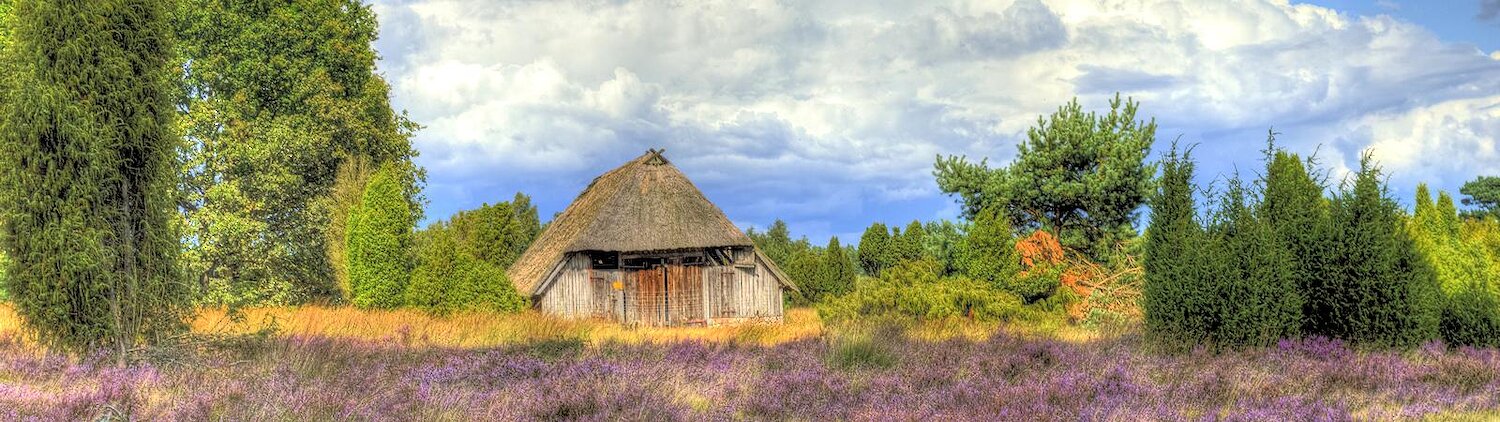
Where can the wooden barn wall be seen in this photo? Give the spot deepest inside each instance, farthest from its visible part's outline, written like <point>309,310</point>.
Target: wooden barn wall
<point>736,292</point>
<point>730,293</point>
<point>571,294</point>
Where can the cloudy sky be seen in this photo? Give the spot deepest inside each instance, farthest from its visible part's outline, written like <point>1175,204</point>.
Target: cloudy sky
<point>829,114</point>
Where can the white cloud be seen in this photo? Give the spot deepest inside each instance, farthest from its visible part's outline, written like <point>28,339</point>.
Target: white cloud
<point>830,113</point>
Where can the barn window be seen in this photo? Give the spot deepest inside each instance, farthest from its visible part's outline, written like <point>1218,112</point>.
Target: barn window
<point>694,260</point>
<point>604,260</point>
<point>638,263</point>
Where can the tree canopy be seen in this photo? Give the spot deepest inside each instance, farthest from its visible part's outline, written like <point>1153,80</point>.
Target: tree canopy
<point>1081,175</point>
<point>1483,194</point>
<point>275,98</point>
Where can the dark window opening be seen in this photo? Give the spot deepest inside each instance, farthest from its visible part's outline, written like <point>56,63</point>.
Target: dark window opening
<point>604,260</point>
<point>637,263</point>
<point>694,260</point>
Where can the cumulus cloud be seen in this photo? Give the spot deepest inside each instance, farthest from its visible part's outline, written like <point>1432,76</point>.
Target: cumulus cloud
<point>829,114</point>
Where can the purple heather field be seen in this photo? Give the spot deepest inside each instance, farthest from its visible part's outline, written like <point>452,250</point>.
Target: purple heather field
<point>893,377</point>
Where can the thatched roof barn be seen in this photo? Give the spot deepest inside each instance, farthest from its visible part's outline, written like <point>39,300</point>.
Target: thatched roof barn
<point>642,245</point>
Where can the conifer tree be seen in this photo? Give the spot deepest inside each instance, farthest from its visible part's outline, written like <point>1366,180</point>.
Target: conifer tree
<point>839,272</point>
<point>1376,289</point>
<point>908,246</point>
<point>1178,298</point>
<point>1259,299</point>
<point>1292,204</point>
<point>1464,271</point>
<point>1081,175</point>
<point>87,154</point>
<point>874,249</point>
<point>379,243</point>
<point>990,249</point>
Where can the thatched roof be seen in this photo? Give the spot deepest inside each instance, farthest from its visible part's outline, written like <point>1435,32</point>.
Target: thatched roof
<point>646,205</point>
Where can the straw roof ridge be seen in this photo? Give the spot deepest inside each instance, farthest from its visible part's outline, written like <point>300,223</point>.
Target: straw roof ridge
<point>647,204</point>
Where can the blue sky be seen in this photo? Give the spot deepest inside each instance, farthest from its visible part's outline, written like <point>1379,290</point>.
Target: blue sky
<point>829,114</point>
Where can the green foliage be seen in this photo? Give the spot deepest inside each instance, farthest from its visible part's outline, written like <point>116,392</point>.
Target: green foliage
<point>379,242</point>
<point>1082,175</point>
<point>1482,193</point>
<point>1376,287</point>
<point>1177,302</point>
<point>497,234</point>
<point>875,249</point>
<point>450,278</point>
<point>1465,272</point>
<point>275,98</point>
<point>4,266</point>
<point>914,289</point>
<point>838,273</point>
<point>906,245</point>
<point>1252,273</point>
<point>990,251</point>
<point>1292,204</point>
<point>820,272</point>
<point>944,242</point>
<point>776,243</point>
<point>86,151</point>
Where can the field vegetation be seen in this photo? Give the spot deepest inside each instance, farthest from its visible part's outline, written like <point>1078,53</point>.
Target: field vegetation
<point>222,225</point>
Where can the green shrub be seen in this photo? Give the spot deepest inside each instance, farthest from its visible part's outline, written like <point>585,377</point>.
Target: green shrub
<point>990,250</point>
<point>379,241</point>
<point>915,290</point>
<point>449,279</point>
<point>1376,289</point>
<point>1464,271</point>
<point>1260,300</point>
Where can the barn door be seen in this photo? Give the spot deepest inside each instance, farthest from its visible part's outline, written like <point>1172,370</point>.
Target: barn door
<point>684,294</point>
<point>650,296</point>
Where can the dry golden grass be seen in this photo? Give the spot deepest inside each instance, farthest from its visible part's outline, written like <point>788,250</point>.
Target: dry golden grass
<point>481,329</point>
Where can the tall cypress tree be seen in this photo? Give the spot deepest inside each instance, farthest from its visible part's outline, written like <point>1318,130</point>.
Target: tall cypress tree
<point>88,150</point>
<point>1376,287</point>
<point>1178,302</point>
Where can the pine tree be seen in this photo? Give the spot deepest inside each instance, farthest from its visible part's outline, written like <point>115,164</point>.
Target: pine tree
<point>874,248</point>
<point>379,243</point>
<point>1377,288</point>
<point>908,246</point>
<point>1081,175</point>
<point>1179,299</point>
<point>87,151</point>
